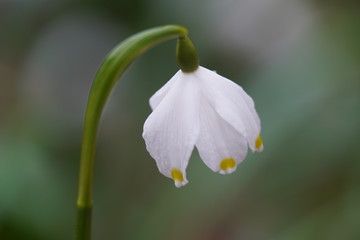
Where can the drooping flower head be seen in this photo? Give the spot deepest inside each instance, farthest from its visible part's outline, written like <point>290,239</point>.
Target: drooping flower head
<point>203,109</point>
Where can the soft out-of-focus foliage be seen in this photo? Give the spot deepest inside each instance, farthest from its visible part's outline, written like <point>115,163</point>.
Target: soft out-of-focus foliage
<point>300,60</point>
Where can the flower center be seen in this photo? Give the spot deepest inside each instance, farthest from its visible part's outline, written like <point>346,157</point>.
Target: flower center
<point>227,163</point>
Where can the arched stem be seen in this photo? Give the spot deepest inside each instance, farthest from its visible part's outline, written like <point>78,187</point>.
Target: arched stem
<point>114,65</point>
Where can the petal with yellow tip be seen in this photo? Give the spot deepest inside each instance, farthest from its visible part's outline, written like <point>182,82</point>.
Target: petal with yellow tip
<point>232,104</point>
<point>220,145</point>
<point>259,144</point>
<point>178,177</point>
<point>227,165</point>
<point>171,130</point>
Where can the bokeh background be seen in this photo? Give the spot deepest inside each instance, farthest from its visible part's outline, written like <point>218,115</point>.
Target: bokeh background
<point>299,60</point>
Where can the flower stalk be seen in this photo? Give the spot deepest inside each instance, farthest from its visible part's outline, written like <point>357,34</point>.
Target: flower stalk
<point>114,65</point>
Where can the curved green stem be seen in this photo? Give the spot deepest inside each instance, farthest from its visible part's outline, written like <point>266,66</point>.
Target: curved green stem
<point>108,74</point>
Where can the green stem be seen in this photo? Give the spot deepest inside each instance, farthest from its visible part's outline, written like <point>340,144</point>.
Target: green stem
<point>108,74</point>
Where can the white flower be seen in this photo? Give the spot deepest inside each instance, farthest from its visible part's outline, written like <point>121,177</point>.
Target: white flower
<point>205,110</point>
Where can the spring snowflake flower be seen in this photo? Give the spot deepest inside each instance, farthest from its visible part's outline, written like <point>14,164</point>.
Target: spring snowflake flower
<point>205,110</point>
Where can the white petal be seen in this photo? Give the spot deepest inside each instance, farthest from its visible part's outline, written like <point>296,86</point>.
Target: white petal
<point>233,104</point>
<point>220,146</point>
<point>172,128</point>
<point>161,93</point>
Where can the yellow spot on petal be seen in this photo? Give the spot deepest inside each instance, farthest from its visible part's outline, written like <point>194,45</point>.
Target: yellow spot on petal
<point>177,175</point>
<point>258,142</point>
<point>227,163</point>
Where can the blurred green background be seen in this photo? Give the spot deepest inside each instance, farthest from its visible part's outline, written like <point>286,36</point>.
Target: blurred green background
<point>299,60</point>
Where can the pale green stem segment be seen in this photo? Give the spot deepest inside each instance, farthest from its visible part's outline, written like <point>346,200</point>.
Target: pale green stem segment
<point>108,74</point>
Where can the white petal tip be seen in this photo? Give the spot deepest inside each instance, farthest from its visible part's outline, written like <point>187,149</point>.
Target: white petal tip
<point>179,184</point>
<point>227,171</point>
<point>227,166</point>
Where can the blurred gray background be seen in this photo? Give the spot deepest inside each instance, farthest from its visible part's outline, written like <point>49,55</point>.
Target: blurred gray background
<point>299,60</point>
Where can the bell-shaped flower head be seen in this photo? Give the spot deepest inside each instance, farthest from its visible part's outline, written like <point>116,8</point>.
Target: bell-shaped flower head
<point>202,109</point>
